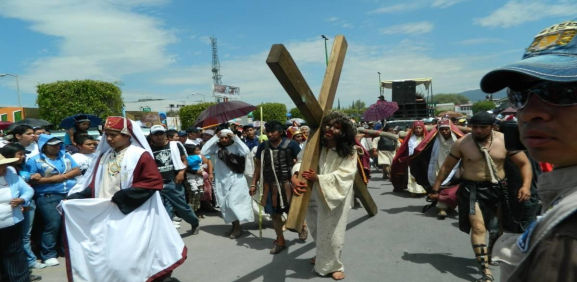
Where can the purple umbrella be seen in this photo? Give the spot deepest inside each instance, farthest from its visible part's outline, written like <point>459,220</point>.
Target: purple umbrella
<point>223,112</point>
<point>380,110</point>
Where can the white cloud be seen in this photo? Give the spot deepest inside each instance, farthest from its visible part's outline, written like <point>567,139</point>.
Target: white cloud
<point>205,40</point>
<point>332,19</point>
<point>346,25</point>
<point>96,39</point>
<point>403,60</point>
<point>517,12</point>
<point>409,28</point>
<point>478,41</point>
<point>397,8</point>
<point>445,3</point>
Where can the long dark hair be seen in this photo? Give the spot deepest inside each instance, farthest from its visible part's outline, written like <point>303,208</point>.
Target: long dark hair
<point>19,130</point>
<point>346,139</point>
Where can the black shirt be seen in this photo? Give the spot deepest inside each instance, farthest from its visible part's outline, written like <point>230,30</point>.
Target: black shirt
<point>293,146</point>
<point>163,159</point>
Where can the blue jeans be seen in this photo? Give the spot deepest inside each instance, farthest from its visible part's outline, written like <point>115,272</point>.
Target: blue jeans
<point>46,207</point>
<point>173,198</point>
<point>26,228</point>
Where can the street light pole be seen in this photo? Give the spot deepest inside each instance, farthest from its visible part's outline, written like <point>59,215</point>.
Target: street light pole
<point>17,87</point>
<point>203,96</point>
<point>380,88</point>
<point>326,50</point>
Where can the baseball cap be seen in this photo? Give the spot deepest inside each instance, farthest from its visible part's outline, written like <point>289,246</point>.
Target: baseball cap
<point>54,141</point>
<point>192,130</point>
<point>157,128</point>
<point>182,133</point>
<point>552,56</point>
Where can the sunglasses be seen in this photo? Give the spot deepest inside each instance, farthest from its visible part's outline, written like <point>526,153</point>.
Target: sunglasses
<point>552,93</point>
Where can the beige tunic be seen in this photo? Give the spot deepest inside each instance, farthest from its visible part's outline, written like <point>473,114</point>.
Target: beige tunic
<point>111,164</point>
<point>329,205</point>
<point>384,157</point>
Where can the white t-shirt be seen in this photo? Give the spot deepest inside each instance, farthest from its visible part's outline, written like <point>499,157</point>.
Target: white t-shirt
<point>33,148</point>
<point>83,161</point>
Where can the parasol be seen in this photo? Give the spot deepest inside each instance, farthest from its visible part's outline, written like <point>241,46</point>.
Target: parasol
<point>4,124</point>
<point>223,112</point>
<point>451,114</point>
<point>70,121</point>
<point>380,110</point>
<point>32,122</point>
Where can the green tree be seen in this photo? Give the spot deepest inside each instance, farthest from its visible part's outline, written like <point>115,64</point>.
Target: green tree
<point>61,99</point>
<point>457,99</point>
<point>296,113</point>
<point>358,104</point>
<point>188,114</point>
<point>272,111</point>
<point>482,106</point>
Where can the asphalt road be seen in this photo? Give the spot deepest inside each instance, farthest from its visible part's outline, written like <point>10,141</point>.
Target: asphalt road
<point>398,244</point>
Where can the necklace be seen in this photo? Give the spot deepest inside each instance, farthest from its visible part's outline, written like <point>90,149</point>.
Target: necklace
<point>490,142</point>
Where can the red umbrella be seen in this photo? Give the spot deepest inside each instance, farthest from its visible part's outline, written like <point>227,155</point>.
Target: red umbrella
<point>380,110</point>
<point>4,124</point>
<point>223,112</point>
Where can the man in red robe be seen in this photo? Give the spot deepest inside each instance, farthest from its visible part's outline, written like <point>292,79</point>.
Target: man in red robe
<point>429,157</point>
<point>400,167</point>
<point>115,215</point>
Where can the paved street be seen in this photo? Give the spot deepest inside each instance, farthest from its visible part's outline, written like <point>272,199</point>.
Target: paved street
<point>398,244</point>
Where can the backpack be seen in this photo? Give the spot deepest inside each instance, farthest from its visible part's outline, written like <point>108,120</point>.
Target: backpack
<point>386,144</point>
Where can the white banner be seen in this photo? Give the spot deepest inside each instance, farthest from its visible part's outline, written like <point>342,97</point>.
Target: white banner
<point>226,91</point>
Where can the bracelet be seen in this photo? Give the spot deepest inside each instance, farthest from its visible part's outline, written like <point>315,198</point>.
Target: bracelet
<point>252,185</point>
<point>434,192</point>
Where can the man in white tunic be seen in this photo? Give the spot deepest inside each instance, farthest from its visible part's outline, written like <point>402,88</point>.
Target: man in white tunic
<point>385,148</point>
<point>124,233</point>
<point>229,153</point>
<point>332,193</point>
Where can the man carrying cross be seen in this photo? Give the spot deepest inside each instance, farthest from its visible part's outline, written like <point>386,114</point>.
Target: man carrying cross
<point>332,192</point>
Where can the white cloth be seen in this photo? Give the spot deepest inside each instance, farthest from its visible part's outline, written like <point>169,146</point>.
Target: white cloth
<point>412,185</point>
<point>83,161</point>
<point>329,205</point>
<point>231,188</point>
<point>33,149</point>
<point>106,245</point>
<point>175,156</point>
<point>6,210</point>
<point>103,242</point>
<point>441,149</point>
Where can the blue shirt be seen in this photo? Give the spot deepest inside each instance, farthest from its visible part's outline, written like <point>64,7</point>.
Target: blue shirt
<point>18,189</point>
<point>47,167</point>
<point>251,143</point>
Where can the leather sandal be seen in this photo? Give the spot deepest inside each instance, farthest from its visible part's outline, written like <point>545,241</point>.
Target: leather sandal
<point>304,234</point>
<point>483,264</point>
<point>277,248</point>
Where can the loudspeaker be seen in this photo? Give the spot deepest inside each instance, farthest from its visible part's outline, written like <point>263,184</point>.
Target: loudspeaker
<point>398,92</point>
<point>410,91</point>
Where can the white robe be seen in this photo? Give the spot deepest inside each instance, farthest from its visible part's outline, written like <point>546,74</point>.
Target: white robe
<point>329,205</point>
<point>103,243</point>
<point>412,185</point>
<point>231,188</point>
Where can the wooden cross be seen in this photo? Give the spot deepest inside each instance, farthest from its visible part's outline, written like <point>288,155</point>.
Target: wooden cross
<point>288,74</point>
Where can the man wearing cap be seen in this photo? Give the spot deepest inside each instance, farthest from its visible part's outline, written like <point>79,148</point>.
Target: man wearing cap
<point>193,136</point>
<point>251,140</point>
<point>121,217</point>
<point>274,160</point>
<point>385,148</point>
<point>170,157</point>
<point>542,87</point>
<point>58,170</point>
<point>232,194</point>
<point>430,155</point>
<point>482,154</point>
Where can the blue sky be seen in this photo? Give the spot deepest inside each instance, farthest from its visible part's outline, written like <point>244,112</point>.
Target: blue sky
<point>161,48</point>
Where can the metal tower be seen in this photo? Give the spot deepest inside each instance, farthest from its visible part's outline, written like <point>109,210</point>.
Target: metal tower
<point>216,76</point>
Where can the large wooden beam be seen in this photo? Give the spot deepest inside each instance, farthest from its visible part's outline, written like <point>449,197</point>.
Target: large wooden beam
<point>288,74</point>
<point>363,194</point>
<point>299,205</point>
<point>333,74</point>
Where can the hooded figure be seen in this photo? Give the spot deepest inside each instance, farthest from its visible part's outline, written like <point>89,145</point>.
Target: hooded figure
<point>400,176</point>
<point>126,219</point>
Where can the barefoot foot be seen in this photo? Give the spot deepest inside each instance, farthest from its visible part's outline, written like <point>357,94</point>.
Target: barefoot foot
<point>338,275</point>
<point>313,260</point>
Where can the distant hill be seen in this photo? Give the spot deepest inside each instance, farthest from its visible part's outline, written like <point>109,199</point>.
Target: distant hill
<point>477,95</point>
